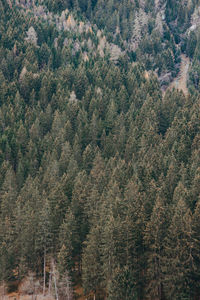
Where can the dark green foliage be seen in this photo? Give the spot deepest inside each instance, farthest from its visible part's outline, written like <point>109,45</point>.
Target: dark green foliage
<point>191,44</point>
<point>99,171</point>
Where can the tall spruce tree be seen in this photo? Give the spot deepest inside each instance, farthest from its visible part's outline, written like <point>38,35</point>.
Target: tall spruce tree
<point>154,239</point>
<point>178,261</point>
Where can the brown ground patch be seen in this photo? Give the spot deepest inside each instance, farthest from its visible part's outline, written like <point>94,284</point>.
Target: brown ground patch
<point>79,293</point>
<point>17,296</point>
<point>180,82</point>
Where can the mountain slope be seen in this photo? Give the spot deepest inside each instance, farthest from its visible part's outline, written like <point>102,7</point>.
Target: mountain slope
<point>99,169</point>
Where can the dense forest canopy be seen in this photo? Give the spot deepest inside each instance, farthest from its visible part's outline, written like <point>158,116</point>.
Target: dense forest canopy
<point>99,161</point>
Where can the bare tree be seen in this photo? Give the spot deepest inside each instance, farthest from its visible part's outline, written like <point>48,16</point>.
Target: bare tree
<point>65,288</point>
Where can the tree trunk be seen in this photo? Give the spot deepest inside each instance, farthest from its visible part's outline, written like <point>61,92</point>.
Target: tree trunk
<point>68,290</point>
<point>44,283</point>
<point>3,290</point>
<point>54,276</point>
<point>50,277</point>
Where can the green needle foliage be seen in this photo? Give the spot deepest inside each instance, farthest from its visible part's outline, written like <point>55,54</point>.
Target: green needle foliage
<point>99,163</point>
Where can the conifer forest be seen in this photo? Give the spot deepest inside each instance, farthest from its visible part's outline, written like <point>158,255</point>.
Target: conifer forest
<point>100,149</point>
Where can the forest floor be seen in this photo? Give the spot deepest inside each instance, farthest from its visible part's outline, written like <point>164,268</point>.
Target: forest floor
<point>180,82</point>
<point>18,296</point>
<point>79,293</point>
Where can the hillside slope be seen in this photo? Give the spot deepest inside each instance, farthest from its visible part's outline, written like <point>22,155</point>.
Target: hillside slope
<point>99,169</point>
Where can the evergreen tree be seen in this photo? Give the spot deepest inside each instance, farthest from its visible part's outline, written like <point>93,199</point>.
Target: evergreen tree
<point>92,273</point>
<point>154,237</point>
<point>68,238</point>
<point>194,275</point>
<point>8,195</point>
<point>44,239</point>
<point>178,248</point>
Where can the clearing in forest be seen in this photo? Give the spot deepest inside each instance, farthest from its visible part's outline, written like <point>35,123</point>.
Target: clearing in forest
<point>180,82</point>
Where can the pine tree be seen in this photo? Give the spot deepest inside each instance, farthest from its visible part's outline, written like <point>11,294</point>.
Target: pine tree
<point>44,240</point>
<point>65,156</point>
<point>122,285</point>
<point>29,205</point>
<point>195,273</point>
<point>88,156</point>
<point>92,273</point>
<point>154,237</point>
<point>8,256</point>
<point>135,246</point>
<point>178,248</point>
<point>67,240</point>
<point>8,195</point>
